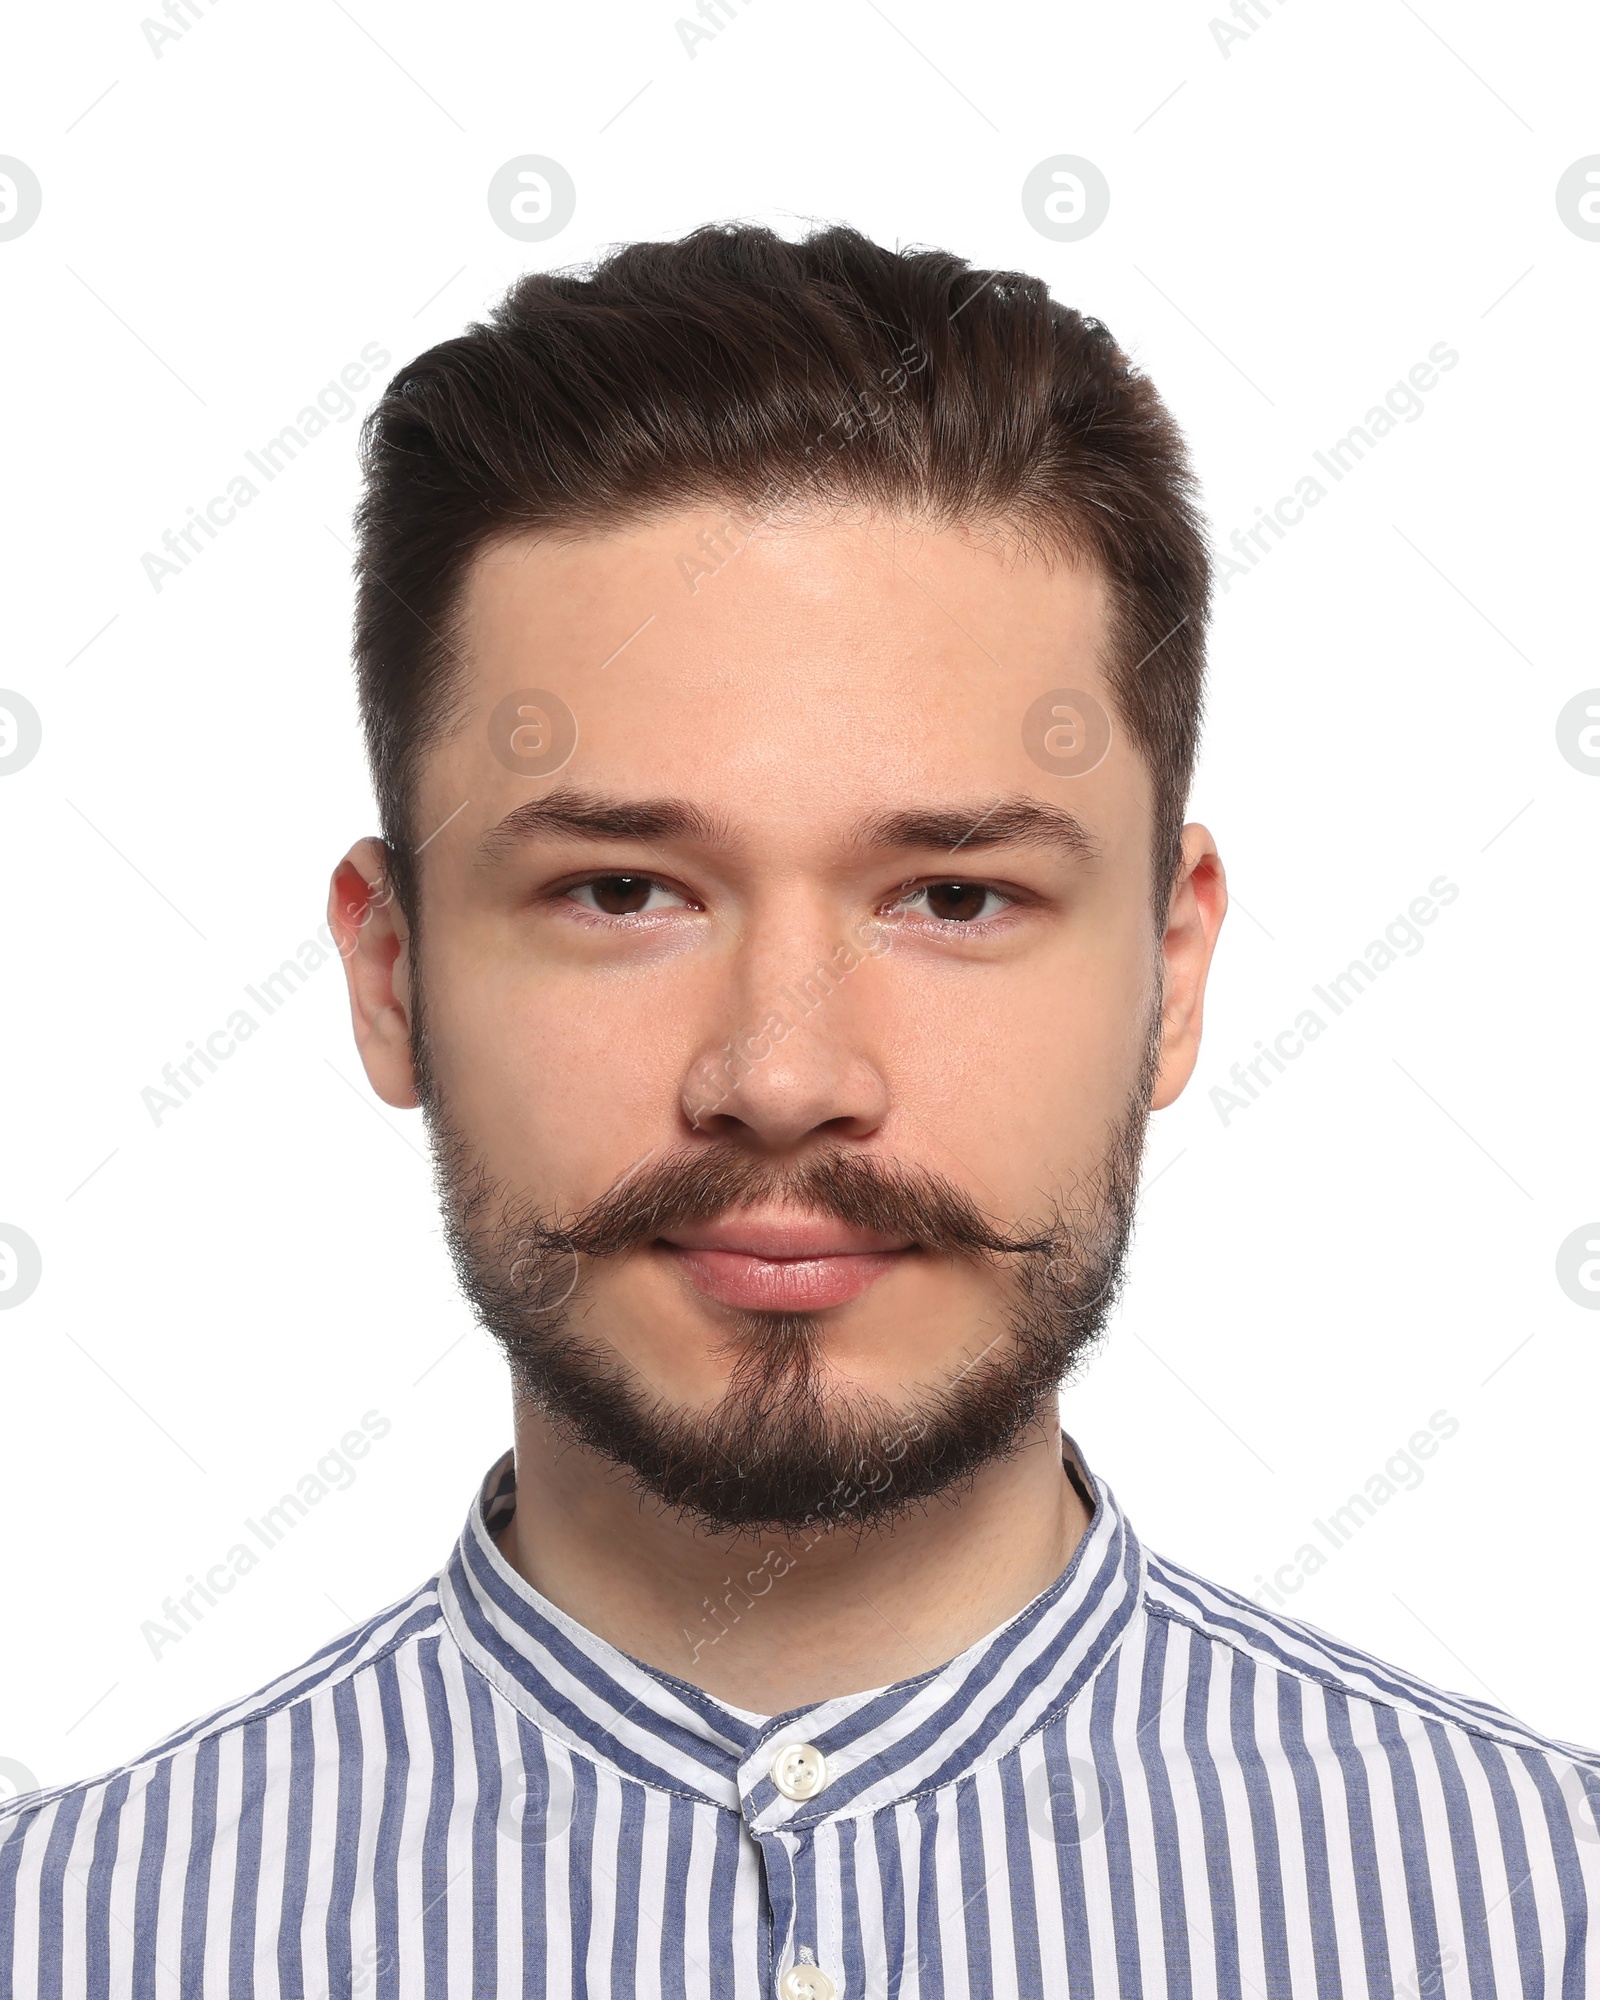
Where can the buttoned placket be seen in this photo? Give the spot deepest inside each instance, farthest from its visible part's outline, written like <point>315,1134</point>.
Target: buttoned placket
<point>809,1784</point>
<point>790,1774</point>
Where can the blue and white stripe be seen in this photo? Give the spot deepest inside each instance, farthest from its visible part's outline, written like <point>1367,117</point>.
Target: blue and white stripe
<point>1142,1785</point>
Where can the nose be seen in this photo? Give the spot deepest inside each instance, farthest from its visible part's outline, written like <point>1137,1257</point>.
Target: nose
<point>791,1059</point>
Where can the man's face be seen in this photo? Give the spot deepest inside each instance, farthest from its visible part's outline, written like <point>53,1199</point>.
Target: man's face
<point>804,899</point>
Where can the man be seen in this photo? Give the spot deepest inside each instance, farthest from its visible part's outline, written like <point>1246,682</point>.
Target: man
<point>781,666</point>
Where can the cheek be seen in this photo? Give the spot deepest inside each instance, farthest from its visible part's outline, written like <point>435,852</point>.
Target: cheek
<point>1024,1079</point>
<point>560,1091</point>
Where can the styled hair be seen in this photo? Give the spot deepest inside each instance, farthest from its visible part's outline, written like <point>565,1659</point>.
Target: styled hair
<point>734,367</point>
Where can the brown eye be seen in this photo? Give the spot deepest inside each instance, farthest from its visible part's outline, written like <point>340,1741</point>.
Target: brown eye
<point>956,902</point>
<point>620,895</point>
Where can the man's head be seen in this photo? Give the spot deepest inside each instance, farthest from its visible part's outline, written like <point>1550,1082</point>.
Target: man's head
<point>781,667</point>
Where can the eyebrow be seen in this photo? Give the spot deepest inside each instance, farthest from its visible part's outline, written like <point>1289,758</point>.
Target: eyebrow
<point>1005,822</point>
<point>594,816</point>
<point>1013,822</point>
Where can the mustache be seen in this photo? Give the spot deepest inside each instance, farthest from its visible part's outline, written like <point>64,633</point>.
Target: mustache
<point>691,1186</point>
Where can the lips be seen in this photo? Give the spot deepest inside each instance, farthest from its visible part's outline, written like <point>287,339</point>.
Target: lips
<point>782,1264</point>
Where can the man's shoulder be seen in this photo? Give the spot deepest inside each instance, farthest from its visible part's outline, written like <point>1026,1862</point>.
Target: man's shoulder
<point>1304,1657</point>
<point>290,1702</point>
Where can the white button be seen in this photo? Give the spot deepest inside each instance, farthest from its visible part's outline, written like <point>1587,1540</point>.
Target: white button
<point>806,1982</point>
<point>800,1772</point>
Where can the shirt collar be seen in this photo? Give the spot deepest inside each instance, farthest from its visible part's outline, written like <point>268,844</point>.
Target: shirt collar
<point>880,1746</point>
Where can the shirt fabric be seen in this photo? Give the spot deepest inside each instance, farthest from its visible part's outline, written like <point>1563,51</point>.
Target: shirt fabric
<point>1142,1785</point>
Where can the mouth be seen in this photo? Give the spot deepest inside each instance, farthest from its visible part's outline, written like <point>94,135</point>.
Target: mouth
<point>790,1264</point>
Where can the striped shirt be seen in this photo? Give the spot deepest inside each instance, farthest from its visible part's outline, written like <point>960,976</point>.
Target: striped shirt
<point>1141,1785</point>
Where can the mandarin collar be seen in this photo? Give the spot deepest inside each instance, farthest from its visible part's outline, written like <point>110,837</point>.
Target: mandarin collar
<point>880,1746</point>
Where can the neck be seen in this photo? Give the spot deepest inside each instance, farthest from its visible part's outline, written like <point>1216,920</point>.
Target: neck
<point>772,1622</point>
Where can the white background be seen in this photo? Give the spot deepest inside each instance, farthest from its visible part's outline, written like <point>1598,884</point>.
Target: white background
<point>1294,223</point>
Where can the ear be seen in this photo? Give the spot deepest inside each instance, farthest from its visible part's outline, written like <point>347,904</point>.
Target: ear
<point>1198,903</point>
<point>375,943</point>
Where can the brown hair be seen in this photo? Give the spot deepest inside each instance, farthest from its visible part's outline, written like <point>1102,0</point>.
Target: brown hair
<point>733,366</point>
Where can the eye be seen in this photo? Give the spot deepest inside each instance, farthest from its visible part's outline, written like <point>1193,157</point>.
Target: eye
<point>956,902</point>
<point>625,896</point>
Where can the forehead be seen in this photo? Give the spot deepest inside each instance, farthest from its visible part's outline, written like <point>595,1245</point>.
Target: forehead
<point>842,662</point>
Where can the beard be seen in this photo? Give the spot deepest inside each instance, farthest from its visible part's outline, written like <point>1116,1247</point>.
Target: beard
<point>785,1449</point>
